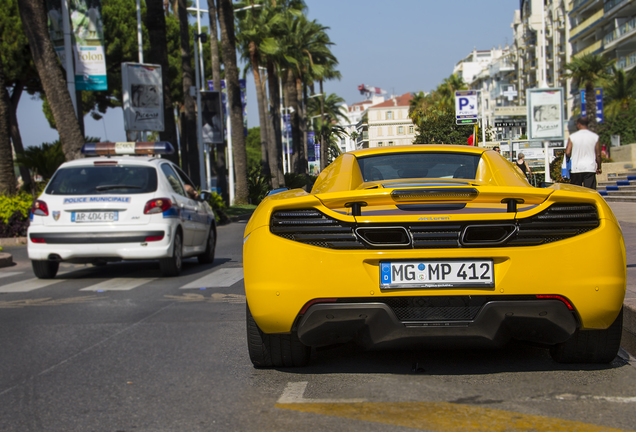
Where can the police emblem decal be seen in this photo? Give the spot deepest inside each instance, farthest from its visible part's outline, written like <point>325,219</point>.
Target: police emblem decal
<point>56,215</point>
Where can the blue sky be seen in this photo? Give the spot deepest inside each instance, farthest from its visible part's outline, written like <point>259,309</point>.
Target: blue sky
<point>401,46</point>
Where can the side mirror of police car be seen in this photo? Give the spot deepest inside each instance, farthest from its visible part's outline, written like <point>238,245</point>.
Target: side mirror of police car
<point>205,195</point>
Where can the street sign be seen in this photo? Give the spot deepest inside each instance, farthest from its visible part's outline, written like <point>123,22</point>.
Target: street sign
<point>511,123</point>
<point>467,121</point>
<point>599,104</point>
<point>466,105</point>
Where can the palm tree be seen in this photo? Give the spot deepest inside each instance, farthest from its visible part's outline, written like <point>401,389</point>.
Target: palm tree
<point>156,24</point>
<point>254,25</point>
<point>587,70</point>
<point>300,41</point>
<point>7,175</point>
<point>325,118</point>
<point>33,18</point>
<point>225,14</point>
<point>619,91</point>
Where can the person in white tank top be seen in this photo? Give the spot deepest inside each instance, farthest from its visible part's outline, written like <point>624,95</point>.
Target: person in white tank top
<point>585,153</point>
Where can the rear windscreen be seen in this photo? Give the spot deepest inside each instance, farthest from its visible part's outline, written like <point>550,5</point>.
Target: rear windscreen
<point>98,180</point>
<point>396,166</point>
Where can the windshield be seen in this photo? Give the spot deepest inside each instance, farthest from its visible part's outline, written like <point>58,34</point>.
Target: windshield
<point>96,180</point>
<point>419,165</point>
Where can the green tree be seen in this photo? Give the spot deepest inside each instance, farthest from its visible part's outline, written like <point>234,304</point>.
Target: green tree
<point>619,91</point>
<point>587,70</point>
<point>439,127</point>
<point>33,17</point>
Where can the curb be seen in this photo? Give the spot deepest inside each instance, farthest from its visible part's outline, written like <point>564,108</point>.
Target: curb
<point>242,217</point>
<point>5,259</point>
<point>12,241</point>
<point>628,341</point>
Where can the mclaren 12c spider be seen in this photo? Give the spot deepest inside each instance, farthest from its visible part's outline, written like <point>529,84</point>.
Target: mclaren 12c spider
<point>432,246</point>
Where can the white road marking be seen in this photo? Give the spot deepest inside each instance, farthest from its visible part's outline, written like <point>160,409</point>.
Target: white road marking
<point>118,284</point>
<point>294,393</point>
<point>28,285</point>
<point>9,274</point>
<point>222,278</point>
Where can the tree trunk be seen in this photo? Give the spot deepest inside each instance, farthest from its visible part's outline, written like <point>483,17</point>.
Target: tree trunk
<point>7,175</point>
<point>156,25</point>
<point>225,13</point>
<point>189,147</point>
<point>34,22</point>
<point>302,121</point>
<point>221,164</point>
<point>590,105</point>
<point>261,100</point>
<point>275,141</point>
<point>16,138</point>
<point>323,142</point>
<point>299,158</point>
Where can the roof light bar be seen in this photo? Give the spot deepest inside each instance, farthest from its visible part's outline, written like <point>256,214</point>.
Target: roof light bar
<point>435,194</point>
<point>127,148</point>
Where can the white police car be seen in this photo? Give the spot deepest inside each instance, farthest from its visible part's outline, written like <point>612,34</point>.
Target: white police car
<point>120,207</point>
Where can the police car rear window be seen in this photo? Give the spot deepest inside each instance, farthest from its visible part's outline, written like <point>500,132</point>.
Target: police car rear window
<point>103,180</point>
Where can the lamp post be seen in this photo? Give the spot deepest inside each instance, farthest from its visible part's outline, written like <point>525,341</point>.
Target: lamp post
<point>203,154</point>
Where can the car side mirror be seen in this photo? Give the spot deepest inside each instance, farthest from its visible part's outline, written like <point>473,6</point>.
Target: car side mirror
<point>205,195</point>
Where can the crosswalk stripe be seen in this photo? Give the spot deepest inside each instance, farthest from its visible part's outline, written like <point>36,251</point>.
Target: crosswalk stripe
<point>28,285</point>
<point>9,274</point>
<point>222,278</point>
<point>118,284</point>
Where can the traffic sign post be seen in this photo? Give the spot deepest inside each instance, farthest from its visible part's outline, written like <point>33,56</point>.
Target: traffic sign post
<point>466,110</point>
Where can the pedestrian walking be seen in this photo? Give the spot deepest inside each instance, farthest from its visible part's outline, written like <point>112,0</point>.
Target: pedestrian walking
<point>523,165</point>
<point>584,152</point>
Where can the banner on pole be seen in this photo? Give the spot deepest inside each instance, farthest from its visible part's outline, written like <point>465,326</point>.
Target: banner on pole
<point>243,86</point>
<point>56,28</point>
<point>545,114</point>
<point>212,117</point>
<point>90,58</point>
<point>142,96</point>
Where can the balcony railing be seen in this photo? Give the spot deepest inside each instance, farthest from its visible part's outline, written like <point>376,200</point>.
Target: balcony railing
<point>587,23</point>
<point>610,4</point>
<point>626,61</point>
<point>590,49</point>
<point>625,28</point>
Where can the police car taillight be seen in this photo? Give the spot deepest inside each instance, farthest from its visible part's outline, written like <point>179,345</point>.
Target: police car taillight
<point>40,208</point>
<point>127,148</point>
<point>157,205</point>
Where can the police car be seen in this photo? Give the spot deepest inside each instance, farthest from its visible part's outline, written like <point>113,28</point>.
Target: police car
<point>128,204</point>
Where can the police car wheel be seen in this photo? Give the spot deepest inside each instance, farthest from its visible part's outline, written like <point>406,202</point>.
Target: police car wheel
<point>172,266</point>
<point>45,269</point>
<point>207,257</point>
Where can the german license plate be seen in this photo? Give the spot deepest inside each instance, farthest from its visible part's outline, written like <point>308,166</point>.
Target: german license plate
<point>95,216</point>
<point>437,274</point>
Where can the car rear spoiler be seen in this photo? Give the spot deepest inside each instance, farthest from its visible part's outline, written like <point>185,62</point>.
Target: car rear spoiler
<point>436,194</point>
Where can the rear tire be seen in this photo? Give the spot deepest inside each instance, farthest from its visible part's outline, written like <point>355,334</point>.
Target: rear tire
<point>274,350</point>
<point>45,269</point>
<point>207,257</point>
<point>172,266</point>
<point>591,346</point>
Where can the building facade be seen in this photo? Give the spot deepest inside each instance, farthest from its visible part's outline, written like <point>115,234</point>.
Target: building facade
<point>389,123</point>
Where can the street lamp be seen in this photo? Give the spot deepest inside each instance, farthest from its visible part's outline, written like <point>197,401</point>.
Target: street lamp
<point>204,154</point>
<point>248,7</point>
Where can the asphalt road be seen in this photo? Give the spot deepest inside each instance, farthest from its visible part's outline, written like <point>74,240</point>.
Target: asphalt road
<point>118,348</point>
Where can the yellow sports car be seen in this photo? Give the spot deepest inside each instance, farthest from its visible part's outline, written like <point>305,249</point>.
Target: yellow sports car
<point>432,245</point>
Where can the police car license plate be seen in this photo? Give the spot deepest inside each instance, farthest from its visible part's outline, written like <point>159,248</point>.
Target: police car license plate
<point>437,274</point>
<point>95,216</point>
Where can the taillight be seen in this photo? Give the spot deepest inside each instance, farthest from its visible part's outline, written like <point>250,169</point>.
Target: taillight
<point>157,205</point>
<point>556,297</point>
<point>154,238</point>
<point>38,240</point>
<point>40,208</point>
